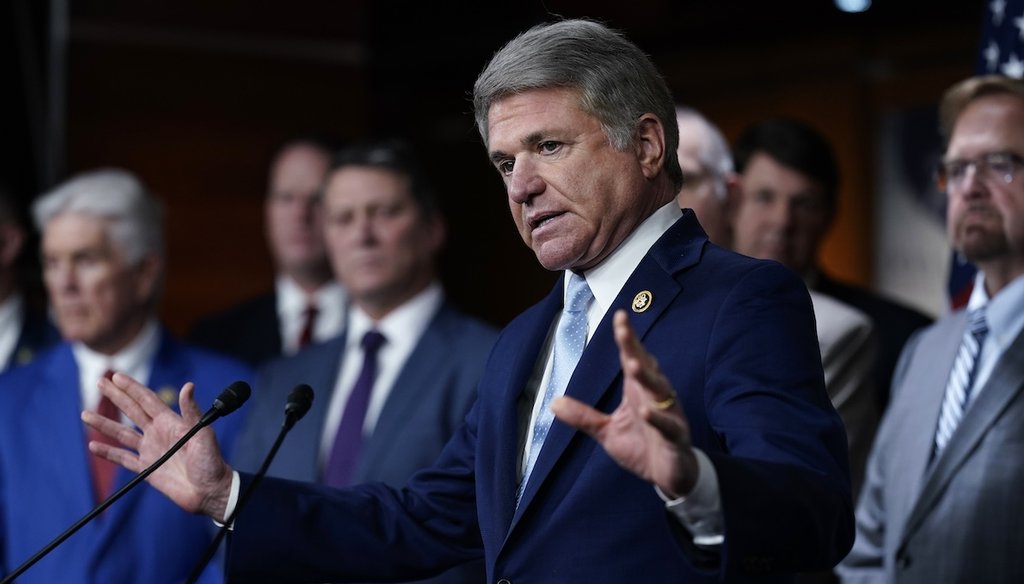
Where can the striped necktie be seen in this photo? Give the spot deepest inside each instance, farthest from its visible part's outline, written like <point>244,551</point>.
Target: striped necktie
<point>958,388</point>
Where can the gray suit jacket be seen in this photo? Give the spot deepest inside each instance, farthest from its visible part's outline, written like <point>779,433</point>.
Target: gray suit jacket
<point>957,519</point>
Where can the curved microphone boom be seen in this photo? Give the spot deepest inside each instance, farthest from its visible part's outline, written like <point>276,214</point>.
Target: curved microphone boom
<point>299,402</point>
<point>228,401</point>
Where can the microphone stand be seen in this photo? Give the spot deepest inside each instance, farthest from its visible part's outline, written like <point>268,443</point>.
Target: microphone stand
<point>299,402</point>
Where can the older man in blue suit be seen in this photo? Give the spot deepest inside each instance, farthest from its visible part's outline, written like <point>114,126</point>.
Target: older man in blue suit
<point>102,255</point>
<point>716,455</point>
<point>383,231</point>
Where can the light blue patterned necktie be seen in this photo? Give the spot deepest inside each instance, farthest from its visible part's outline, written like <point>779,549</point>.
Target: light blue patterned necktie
<point>958,388</point>
<point>570,339</point>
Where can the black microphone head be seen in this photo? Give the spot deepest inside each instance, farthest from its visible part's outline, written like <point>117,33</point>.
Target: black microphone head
<point>232,398</point>
<point>299,402</point>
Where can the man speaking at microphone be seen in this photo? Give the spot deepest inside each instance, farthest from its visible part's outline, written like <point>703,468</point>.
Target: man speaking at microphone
<point>103,267</point>
<point>687,367</point>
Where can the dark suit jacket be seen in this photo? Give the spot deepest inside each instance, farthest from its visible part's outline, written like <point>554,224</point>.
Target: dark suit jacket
<point>894,323</point>
<point>249,331</point>
<point>735,335</point>
<point>431,396</point>
<point>37,333</point>
<point>45,481</point>
<point>956,520</point>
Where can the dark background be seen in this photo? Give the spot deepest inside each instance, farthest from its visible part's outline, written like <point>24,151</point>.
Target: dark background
<point>193,95</point>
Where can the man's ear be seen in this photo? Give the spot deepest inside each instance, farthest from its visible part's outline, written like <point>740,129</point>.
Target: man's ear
<point>150,270</point>
<point>650,145</point>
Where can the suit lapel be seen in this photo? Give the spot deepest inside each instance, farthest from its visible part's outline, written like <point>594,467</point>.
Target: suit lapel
<point>597,377</point>
<point>320,371</point>
<point>63,402</point>
<point>167,369</point>
<point>999,391</point>
<point>513,371</point>
<point>412,382</point>
<point>925,393</point>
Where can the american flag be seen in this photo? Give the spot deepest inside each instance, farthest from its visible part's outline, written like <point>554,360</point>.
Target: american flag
<point>1001,52</point>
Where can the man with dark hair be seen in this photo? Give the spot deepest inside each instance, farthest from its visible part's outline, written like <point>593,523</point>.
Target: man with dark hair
<point>659,416</point>
<point>790,185</point>
<point>306,305</point>
<point>383,232</point>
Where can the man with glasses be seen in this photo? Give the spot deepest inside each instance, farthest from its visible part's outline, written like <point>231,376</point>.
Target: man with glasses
<point>942,500</point>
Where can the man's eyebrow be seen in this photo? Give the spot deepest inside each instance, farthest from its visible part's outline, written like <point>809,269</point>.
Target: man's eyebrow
<point>528,140</point>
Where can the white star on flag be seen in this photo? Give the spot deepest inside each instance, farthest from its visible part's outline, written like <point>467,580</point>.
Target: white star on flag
<point>1013,67</point>
<point>998,8</point>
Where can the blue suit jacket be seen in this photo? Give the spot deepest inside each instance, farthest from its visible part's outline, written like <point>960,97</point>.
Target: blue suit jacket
<point>735,336</point>
<point>37,333</point>
<point>45,483</point>
<point>431,396</point>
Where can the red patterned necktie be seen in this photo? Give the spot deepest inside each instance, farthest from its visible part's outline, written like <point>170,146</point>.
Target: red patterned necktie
<point>306,336</point>
<point>103,471</point>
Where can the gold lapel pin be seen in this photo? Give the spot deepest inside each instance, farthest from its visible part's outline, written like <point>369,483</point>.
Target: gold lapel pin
<point>642,301</point>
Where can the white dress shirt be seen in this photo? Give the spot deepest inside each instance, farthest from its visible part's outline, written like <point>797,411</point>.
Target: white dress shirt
<point>136,359</point>
<point>292,302</point>
<point>1004,315</point>
<point>12,316</point>
<point>402,329</point>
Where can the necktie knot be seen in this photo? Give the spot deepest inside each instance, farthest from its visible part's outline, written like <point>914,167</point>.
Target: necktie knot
<point>977,323</point>
<point>577,294</point>
<point>308,325</point>
<point>372,341</point>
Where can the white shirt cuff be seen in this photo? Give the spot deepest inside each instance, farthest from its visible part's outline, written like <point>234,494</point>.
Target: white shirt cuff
<point>236,485</point>
<point>700,512</point>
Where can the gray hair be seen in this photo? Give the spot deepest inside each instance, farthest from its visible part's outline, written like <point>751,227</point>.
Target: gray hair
<point>135,218</point>
<point>617,82</point>
<point>715,153</point>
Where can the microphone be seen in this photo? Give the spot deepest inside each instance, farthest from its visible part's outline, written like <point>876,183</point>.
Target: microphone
<point>228,401</point>
<point>299,401</point>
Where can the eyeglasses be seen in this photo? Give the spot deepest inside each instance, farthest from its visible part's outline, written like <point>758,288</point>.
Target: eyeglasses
<point>994,166</point>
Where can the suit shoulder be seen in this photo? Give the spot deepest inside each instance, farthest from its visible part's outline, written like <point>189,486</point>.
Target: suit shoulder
<point>877,306</point>
<point>209,360</point>
<point>241,314</point>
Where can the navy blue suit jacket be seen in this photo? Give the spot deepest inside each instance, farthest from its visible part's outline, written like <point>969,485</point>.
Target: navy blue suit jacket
<point>431,396</point>
<point>46,485</point>
<point>735,336</point>
<point>248,331</point>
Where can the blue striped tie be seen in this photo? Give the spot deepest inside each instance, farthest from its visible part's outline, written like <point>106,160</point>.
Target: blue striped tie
<point>958,389</point>
<point>570,339</point>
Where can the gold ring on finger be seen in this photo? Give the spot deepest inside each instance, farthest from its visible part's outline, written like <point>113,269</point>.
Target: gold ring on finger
<point>665,403</point>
